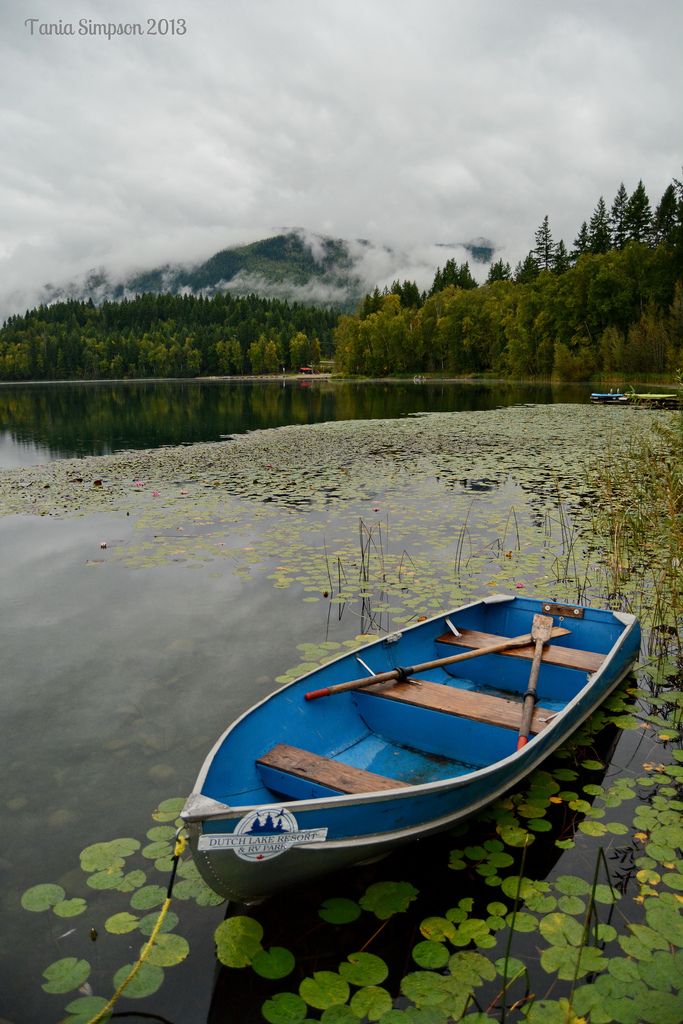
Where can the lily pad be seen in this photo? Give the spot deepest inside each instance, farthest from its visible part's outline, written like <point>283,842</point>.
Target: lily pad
<point>364,969</point>
<point>120,924</point>
<point>431,955</point>
<point>276,962</point>
<point>65,975</point>
<point>85,1008</point>
<point>339,911</point>
<point>102,856</point>
<point>284,1008</point>
<point>70,908</point>
<point>168,949</point>
<point>384,899</point>
<point>371,1003</point>
<point>147,980</point>
<point>42,897</point>
<point>238,940</point>
<point>324,989</point>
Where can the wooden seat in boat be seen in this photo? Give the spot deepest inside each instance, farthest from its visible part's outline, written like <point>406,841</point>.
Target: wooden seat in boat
<point>587,661</point>
<point>324,771</point>
<point>478,707</point>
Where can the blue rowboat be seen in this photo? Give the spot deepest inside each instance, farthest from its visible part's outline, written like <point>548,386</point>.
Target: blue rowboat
<point>332,770</point>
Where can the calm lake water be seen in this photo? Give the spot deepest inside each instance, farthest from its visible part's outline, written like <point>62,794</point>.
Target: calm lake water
<point>41,422</point>
<point>120,670</point>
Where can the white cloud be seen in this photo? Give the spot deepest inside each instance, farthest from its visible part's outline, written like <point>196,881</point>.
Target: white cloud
<point>407,124</point>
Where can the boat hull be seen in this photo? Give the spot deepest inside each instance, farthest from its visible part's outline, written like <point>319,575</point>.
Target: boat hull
<point>244,855</point>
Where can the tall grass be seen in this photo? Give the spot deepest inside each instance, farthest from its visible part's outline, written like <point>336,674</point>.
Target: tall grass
<point>638,520</point>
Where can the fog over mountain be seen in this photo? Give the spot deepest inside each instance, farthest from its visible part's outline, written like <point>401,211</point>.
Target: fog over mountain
<point>297,265</point>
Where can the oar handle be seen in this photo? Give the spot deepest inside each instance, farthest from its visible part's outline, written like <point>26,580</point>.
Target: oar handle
<point>541,632</point>
<point>358,684</point>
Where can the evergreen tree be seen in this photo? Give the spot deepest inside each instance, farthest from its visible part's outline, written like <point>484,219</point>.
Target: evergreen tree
<point>465,279</point>
<point>544,247</point>
<point>665,217</point>
<point>370,304</point>
<point>561,261</point>
<point>408,293</point>
<point>453,275</point>
<point>581,243</point>
<point>599,237</point>
<point>638,219</point>
<point>499,271</point>
<point>527,270</point>
<point>617,218</point>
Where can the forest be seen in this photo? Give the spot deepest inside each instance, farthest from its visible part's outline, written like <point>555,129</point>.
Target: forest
<point>611,306</point>
<point>163,336</point>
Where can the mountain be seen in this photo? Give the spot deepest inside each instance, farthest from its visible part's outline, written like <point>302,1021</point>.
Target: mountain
<point>288,262</point>
<point>298,266</point>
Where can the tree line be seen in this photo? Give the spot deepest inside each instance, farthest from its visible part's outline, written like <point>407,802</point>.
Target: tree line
<point>610,304</point>
<point>613,304</point>
<point>164,336</point>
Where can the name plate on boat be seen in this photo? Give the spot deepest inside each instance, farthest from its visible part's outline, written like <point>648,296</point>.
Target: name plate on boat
<point>262,835</point>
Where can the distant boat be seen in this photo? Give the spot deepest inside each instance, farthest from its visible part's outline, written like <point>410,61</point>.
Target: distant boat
<point>651,399</point>
<point>609,398</point>
<point>331,770</point>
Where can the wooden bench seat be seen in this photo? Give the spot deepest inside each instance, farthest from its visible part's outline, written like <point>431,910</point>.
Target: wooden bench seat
<point>587,661</point>
<point>479,707</point>
<point>324,771</point>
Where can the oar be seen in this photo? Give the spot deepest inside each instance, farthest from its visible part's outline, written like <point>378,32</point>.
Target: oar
<point>404,673</point>
<point>541,632</point>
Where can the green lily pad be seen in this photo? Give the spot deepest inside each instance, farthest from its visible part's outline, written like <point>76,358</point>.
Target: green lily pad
<point>101,856</point>
<point>120,924</point>
<point>384,899</point>
<point>339,911</point>
<point>42,897</point>
<point>431,955</point>
<point>65,975</point>
<point>85,1008</point>
<point>572,885</point>
<point>238,940</point>
<point>470,969</point>
<point>339,1014</point>
<point>570,961</point>
<point>148,897</point>
<point>168,950</point>
<point>371,1003</point>
<point>324,989</point>
<point>276,962</point>
<point>284,1008</point>
<point>513,835</point>
<point>146,982</point>
<point>363,969</point>
<point>70,908</point>
<point>168,810</point>
<point>149,922</point>
<point>426,989</point>
<point>110,878</point>
<point>440,928</point>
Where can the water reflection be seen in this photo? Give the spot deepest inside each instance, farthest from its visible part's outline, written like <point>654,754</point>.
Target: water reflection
<point>42,422</point>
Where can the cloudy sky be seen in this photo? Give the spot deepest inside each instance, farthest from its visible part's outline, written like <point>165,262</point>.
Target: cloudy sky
<point>407,122</point>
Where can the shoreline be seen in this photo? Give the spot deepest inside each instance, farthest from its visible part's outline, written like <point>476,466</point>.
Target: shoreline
<point>332,378</point>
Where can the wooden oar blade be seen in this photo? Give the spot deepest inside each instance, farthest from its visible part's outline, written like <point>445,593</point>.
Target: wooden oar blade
<point>542,628</point>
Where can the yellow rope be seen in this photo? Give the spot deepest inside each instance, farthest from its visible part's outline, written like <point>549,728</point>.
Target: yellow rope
<point>146,949</point>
